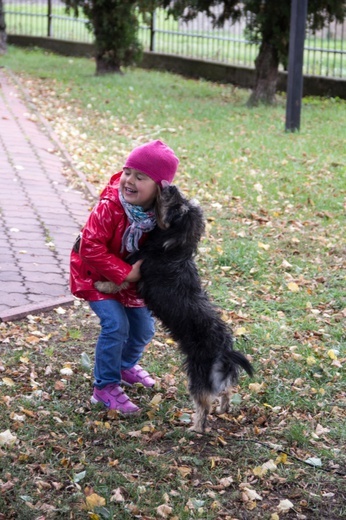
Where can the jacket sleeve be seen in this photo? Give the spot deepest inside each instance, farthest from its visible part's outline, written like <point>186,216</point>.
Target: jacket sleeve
<point>98,248</point>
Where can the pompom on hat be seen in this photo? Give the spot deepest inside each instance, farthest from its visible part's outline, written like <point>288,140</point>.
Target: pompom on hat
<point>155,159</point>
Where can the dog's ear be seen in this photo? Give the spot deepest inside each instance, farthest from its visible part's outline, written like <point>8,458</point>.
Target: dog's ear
<point>180,228</point>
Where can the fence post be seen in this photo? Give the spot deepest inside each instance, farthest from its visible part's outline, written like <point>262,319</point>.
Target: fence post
<point>152,31</point>
<point>49,18</point>
<point>295,64</point>
<point>3,37</point>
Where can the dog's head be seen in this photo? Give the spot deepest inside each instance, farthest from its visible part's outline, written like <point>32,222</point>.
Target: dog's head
<point>180,218</point>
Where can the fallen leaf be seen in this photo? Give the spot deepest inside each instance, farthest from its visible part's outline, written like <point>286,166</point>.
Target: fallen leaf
<point>263,246</point>
<point>314,461</point>
<point>285,505</point>
<point>85,361</point>
<point>240,331</point>
<point>117,495</point>
<point>60,310</point>
<point>293,287</point>
<point>257,387</point>
<point>155,401</point>
<point>310,360</point>
<point>185,418</point>
<point>194,503</point>
<point>164,510</point>
<point>59,385</point>
<point>28,413</point>
<point>7,438</point>
<point>236,399</point>
<point>79,476</point>
<point>32,340</point>
<point>17,417</point>
<point>94,500</point>
<point>281,459</point>
<point>286,265</point>
<point>8,381</point>
<point>226,482</point>
<point>66,371</point>
<point>260,471</point>
<point>332,354</point>
<point>94,516</point>
<point>251,494</point>
<point>184,471</point>
<point>320,430</point>
<point>148,428</point>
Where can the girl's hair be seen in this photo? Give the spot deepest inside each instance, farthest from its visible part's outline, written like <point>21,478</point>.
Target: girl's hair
<point>158,207</point>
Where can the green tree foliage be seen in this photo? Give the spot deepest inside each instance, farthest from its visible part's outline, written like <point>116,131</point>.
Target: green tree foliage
<point>2,29</point>
<point>268,24</point>
<point>114,24</point>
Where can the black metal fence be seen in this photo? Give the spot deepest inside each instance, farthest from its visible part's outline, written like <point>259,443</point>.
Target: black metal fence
<point>324,54</point>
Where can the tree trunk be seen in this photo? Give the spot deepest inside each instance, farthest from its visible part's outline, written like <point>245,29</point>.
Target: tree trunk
<point>3,37</point>
<point>115,30</point>
<point>106,65</point>
<point>267,68</point>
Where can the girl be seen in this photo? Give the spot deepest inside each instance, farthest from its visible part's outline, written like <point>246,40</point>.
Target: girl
<point>117,226</point>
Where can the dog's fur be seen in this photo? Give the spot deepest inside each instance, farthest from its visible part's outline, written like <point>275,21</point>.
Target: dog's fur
<point>171,287</point>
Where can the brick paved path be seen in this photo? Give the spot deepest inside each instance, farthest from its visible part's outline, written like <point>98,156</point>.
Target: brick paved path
<point>40,214</point>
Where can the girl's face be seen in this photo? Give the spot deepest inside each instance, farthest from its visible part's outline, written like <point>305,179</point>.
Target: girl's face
<point>137,188</point>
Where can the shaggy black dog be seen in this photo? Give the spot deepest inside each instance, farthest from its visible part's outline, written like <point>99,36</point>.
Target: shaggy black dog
<point>171,287</point>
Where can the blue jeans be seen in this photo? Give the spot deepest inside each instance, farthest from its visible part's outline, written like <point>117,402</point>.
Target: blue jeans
<point>125,331</point>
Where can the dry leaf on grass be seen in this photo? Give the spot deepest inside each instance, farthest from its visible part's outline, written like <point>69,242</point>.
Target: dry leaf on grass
<point>284,506</point>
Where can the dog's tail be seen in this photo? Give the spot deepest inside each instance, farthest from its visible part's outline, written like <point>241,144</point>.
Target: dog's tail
<point>239,359</point>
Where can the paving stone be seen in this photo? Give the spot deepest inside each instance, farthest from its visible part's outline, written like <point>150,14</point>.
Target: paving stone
<point>50,267</point>
<point>47,289</point>
<point>10,276</point>
<point>49,278</point>
<point>14,300</point>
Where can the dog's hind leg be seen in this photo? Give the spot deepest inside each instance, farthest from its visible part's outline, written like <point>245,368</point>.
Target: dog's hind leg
<point>202,405</point>
<point>225,400</point>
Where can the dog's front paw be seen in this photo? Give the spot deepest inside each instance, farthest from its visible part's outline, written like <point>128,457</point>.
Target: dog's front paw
<point>196,429</point>
<point>198,423</point>
<point>109,287</point>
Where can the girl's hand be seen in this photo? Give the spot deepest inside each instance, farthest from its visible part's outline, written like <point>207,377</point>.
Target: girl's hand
<point>135,274</point>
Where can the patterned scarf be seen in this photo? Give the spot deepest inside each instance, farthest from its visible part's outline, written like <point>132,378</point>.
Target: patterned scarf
<point>140,222</point>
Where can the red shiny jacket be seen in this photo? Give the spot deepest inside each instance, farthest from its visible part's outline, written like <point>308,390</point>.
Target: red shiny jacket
<point>99,256</point>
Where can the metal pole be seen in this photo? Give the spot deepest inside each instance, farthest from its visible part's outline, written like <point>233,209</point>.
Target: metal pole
<point>295,64</point>
<point>152,31</point>
<point>49,15</point>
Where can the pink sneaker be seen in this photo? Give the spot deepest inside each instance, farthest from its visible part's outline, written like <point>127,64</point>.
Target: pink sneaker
<point>114,397</point>
<point>137,374</point>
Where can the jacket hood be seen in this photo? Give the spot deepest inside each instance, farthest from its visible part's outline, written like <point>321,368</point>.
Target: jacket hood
<point>111,192</point>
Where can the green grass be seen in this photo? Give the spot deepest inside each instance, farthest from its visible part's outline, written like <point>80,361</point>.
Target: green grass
<point>272,259</point>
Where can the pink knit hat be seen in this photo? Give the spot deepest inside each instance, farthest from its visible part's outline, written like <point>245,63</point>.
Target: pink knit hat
<point>155,159</point>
